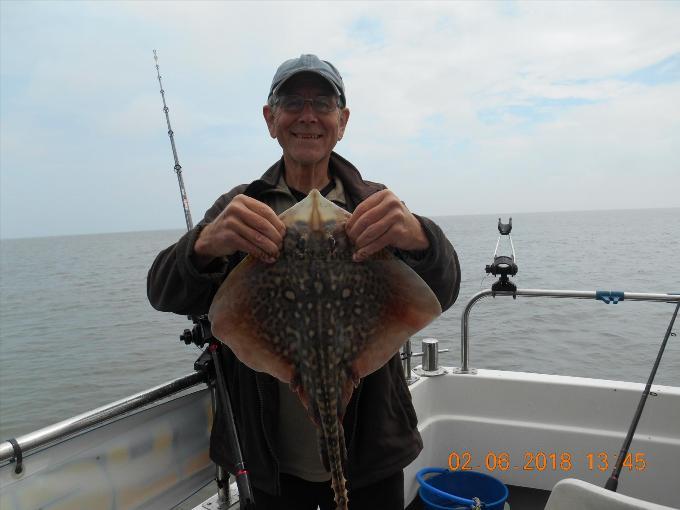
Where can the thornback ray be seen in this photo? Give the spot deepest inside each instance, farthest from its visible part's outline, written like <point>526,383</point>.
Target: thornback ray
<point>319,321</point>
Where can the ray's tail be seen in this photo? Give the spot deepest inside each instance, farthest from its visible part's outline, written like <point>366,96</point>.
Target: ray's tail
<point>333,453</point>
<point>332,436</point>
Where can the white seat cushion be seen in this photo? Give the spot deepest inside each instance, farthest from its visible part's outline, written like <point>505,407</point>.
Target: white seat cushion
<point>571,494</point>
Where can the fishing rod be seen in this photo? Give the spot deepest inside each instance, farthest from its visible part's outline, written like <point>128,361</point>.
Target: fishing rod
<point>177,167</point>
<point>613,481</point>
<point>209,362</point>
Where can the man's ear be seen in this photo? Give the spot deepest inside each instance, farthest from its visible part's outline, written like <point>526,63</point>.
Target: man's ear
<point>342,122</point>
<point>268,113</point>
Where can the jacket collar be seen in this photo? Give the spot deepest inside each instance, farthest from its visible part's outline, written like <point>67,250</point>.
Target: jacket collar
<point>356,189</point>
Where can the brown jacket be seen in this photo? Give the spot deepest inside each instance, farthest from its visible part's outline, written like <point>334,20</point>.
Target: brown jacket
<point>380,423</point>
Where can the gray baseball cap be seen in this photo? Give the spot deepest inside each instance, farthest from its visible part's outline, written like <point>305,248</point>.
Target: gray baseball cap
<point>308,64</point>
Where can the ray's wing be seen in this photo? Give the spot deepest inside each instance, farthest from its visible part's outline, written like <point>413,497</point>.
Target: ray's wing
<point>236,322</point>
<point>406,307</point>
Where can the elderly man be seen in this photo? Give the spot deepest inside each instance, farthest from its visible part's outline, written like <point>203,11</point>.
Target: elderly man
<point>306,112</point>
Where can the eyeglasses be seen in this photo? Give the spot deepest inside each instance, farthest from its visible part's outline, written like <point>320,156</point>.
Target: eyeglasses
<point>295,103</point>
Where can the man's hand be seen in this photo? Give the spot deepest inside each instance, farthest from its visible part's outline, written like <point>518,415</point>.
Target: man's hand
<point>383,220</point>
<point>245,225</point>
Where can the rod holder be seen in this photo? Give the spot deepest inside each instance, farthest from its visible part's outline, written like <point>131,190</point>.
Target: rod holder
<point>223,493</point>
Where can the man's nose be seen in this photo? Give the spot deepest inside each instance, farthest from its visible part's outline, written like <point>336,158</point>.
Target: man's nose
<point>308,114</point>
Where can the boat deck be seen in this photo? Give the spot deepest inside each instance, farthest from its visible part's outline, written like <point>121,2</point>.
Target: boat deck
<point>520,498</point>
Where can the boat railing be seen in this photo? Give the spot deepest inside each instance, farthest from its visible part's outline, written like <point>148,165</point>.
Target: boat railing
<point>36,439</point>
<point>63,429</point>
<point>606,296</point>
<point>430,349</point>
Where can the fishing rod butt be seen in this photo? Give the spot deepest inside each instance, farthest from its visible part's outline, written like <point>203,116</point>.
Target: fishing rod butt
<point>245,494</point>
<point>612,484</point>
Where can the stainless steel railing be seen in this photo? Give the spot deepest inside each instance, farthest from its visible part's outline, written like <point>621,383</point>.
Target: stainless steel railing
<point>606,296</point>
<point>78,423</point>
<point>83,421</point>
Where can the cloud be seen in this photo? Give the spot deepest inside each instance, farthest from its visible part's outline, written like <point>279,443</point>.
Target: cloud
<point>476,106</point>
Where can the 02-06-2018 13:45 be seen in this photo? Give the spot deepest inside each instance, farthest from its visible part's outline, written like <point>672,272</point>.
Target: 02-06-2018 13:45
<point>542,461</point>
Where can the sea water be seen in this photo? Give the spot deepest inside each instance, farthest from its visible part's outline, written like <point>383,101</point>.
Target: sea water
<point>77,331</point>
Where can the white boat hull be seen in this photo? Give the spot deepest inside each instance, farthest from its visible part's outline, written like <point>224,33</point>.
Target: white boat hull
<point>525,418</point>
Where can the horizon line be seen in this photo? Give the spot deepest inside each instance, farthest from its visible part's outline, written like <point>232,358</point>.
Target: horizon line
<point>48,236</point>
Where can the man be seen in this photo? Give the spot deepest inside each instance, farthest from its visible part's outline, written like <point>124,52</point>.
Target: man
<point>306,112</point>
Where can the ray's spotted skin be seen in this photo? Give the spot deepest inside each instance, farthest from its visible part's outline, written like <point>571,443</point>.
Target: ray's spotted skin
<point>318,320</point>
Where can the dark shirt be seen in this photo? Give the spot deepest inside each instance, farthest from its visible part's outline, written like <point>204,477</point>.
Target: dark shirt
<point>299,195</point>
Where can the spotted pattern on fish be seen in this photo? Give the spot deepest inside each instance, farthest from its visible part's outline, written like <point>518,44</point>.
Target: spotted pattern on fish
<point>330,299</point>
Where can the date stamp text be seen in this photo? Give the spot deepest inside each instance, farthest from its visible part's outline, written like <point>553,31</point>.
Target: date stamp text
<point>544,461</point>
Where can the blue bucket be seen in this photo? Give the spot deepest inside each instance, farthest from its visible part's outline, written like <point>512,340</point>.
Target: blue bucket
<point>448,490</point>
<point>436,503</point>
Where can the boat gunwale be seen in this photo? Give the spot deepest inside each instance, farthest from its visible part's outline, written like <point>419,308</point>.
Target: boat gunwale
<point>82,422</point>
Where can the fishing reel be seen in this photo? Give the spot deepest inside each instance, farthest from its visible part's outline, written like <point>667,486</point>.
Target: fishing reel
<point>503,265</point>
<point>200,334</point>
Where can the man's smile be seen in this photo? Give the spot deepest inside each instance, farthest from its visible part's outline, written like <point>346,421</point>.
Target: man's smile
<point>306,136</point>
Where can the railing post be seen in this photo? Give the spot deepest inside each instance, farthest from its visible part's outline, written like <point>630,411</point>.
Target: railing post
<point>406,355</point>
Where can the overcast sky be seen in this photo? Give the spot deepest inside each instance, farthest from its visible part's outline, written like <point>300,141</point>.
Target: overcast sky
<point>460,108</point>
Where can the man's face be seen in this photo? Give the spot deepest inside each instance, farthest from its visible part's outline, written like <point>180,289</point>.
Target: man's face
<point>306,137</point>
